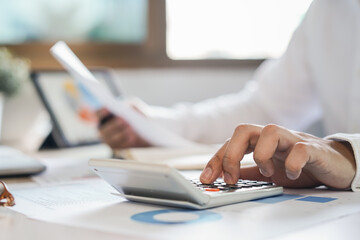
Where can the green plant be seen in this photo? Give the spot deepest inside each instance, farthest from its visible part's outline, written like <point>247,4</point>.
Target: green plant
<point>13,72</point>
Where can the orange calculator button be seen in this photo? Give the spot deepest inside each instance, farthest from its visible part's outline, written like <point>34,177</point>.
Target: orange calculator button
<point>212,189</point>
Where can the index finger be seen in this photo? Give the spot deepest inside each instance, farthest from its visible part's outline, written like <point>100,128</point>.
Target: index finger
<point>214,167</point>
<point>245,135</point>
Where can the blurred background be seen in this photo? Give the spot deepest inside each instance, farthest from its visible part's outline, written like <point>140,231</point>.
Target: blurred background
<point>163,51</point>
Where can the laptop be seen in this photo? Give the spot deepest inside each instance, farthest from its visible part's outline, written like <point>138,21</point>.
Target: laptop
<point>15,163</point>
<point>164,185</point>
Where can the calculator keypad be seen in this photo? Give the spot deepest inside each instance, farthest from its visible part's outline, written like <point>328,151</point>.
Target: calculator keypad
<point>220,186</point>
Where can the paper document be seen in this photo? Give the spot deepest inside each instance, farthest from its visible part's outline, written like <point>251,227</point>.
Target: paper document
<point>146,128</point>
<point>90,205</point>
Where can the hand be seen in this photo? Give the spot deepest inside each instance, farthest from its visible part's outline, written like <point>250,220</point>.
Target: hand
<point>117,133</point>
<point>287,158</point>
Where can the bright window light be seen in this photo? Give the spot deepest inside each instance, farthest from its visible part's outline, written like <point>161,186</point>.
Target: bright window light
<point>115,21</point>
<point>231,29</point>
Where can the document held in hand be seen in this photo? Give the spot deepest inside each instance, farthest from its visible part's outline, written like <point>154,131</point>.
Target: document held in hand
<point>146,128</point>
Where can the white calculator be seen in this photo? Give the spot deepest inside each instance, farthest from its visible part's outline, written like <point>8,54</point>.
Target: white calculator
<point>164,185</point>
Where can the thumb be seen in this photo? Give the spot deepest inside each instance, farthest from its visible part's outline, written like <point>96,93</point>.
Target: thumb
<point>102,112</point>
<point>139,105</point>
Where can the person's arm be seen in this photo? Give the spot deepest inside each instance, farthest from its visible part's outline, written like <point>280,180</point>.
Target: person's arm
<point>287,158</point>
<point>282,92</point>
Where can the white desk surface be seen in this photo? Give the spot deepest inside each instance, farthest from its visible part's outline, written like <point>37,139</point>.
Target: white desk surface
<point>68,201</point>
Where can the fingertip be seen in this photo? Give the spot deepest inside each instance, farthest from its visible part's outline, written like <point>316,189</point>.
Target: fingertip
<point>266,172</point>
<point>213,168</point>
<point>228,178</point>
<point>206,175</point>
<point>292,175</point>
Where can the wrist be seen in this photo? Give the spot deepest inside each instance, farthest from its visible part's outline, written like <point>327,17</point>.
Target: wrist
<point>354,142</point>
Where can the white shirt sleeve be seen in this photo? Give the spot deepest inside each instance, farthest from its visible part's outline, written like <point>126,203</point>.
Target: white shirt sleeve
<point>354,140</point>
<point>282,92</point>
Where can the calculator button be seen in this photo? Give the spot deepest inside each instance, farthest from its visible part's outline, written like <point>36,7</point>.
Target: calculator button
<point>212,189</point>
<point>266,183</point>
<point>207,186</point>
<point>232,186</point>
<point>246,181</point>
<point>220,185</point>
<point>257,184</point>
<point>195,181</point>
<point>243,185</point>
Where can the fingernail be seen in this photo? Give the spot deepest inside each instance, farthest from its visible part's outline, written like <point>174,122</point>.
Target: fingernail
<point>227,177</point>
<point>291,175</point>
<point>264,172</point>
<point>206,174</point>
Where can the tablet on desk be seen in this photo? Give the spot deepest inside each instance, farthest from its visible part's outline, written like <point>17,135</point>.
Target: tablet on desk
<point>164,185</point>
<point>72,114</point>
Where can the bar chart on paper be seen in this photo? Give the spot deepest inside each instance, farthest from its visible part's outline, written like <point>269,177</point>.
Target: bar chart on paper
<point>285,197</point>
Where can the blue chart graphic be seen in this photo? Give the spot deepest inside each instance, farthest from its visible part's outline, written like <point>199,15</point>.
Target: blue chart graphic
<point>201,216</point>
<point>316,199</point>
<point>286,197</point>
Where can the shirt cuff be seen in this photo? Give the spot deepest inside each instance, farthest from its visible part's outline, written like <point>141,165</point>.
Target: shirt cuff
<point>354,140</point>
